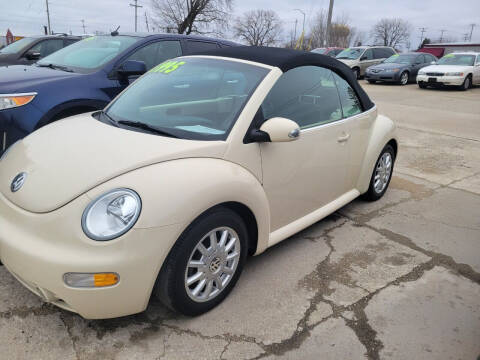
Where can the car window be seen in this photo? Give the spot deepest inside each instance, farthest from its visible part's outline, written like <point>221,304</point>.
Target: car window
<point>348,98</point>
<point>350,53</point>
<point>194,46</point>
<point>157,52</point>
<point>389,52</point>
<point>367,55</point>
<point>420,59</point>
<point>478,59</point>
<point>90,53</point>
<point>306,95</point>
<point>69,41</point>
<point>17,45</point>
<point>457,59</point>
<point>379,53</point>
<point>192,98</point>
<point>47,47</point>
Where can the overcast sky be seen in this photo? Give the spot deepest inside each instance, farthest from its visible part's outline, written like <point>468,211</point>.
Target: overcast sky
<point>26,17</point>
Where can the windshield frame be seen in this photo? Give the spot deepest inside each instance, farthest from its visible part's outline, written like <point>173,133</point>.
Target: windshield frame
<point>22,49</point>
<point>82,70</point>
<point>453,55</point>
<point>362,51</point>
<point>192,135</point>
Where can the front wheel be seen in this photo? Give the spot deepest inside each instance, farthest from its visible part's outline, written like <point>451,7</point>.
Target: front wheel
<point>204,264</point>
<point>382,174</point>
<point>404,78</point>
<point>421,85</point>
<point>466,84</point>
<point>356,73</point>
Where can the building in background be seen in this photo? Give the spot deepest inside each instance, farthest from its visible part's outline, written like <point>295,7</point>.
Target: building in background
<point>442,49</point>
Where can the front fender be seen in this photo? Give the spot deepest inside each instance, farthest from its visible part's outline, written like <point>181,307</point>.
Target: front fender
<point>178,191</point>
<point>382,132</point>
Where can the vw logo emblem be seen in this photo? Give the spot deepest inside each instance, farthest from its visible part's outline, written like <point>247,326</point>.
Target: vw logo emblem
<point>18,182</point>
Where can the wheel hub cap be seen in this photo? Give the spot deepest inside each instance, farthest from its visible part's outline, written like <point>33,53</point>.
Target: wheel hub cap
<point>212,264</point>
<point>383,172</point>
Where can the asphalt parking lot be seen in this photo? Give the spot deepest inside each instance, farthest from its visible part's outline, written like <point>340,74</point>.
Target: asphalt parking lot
<point>395,279</point>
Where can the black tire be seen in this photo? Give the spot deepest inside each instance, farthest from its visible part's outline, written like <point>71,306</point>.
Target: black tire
<point>421,85</point>
<point>356,73</point>
<point>372,194</point>
<point>372,81</point>
<point>467,83</point>
<point>401,81</point>
<point>170,285</point>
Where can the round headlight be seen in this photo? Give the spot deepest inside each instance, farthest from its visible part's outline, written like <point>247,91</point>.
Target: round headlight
<point>111,215</point>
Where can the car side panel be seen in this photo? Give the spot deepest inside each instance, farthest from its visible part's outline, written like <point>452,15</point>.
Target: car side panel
<point>179,191</point>
<point>383,130</point>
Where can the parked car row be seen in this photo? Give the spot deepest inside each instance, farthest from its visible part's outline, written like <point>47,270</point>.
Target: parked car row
<point>168,188</point>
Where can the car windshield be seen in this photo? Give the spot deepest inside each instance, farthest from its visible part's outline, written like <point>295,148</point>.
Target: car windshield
<point>401,59</point>
<point>454,59</point>
<point>89,53</point>
<point>351,53</point>
<point>189,98</point>
<point>320,50</point>
<point>17,46</point>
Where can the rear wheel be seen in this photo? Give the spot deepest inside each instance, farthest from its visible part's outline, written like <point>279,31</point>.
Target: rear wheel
<point>466,83</point>
<point>382,174</point>
<point>404,78</point>
<point>204,264</point>
<point>421,85</point>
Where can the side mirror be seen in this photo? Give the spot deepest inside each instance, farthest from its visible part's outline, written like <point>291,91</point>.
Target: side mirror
<point>281,129</point>
<point>433,63</point>
<point>32,55</point>
<point>132,67</point>
<point>363,58</point>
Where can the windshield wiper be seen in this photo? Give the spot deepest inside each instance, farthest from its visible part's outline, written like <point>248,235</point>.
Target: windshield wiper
<point>55,67</point>
<point>143,126</point>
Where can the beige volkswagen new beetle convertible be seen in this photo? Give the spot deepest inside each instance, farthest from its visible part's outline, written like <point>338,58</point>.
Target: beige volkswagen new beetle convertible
<point>204,160</point>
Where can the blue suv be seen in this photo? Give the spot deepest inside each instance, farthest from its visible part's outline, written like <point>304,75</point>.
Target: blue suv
<point>83,77</point>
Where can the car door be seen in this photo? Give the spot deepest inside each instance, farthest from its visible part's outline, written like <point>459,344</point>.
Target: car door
<point>358,126</point>
<point>304,175</point>
<point>420,61</point>
<point>367,60</point>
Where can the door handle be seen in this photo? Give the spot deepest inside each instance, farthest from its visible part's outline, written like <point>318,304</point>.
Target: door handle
<point>343,138</point>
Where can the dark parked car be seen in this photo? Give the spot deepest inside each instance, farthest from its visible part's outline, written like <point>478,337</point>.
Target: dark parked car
<point>329,51</point>
<point>399,68</point>
<point>83,77</point>
<point>30,49</point>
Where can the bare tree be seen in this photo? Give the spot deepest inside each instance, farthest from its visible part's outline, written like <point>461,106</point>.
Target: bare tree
<point>192,16</point>
<point>391,32</point>
<point>258,27</point>
<point>341,33</point>
<point>318,29</point>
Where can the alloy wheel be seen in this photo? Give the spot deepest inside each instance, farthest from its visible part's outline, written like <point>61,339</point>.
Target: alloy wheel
<point>404,78</point>
<point>383,172</point>
<point>212,264</point>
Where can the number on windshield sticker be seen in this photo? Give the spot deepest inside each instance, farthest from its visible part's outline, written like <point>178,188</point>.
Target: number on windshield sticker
<point>167,67</point>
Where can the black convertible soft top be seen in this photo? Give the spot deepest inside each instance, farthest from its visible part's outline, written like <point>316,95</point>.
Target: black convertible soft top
<point>286,59</point>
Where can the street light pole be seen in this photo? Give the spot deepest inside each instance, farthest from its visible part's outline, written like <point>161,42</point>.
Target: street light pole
<point>136,6</point>
<point>303,26</point>
<point>48,19</point>
<point>329,24</point>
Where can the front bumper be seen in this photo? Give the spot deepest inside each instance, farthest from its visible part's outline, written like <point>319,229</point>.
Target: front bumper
<point>38,249</point>
<point>387,77</point>
<point>16,123</point>
<point>441,80</point>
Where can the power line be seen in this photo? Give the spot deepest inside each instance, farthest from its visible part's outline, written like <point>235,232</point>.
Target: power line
<point>146,21</point>
<point>465,36</point>
<point>136,6</point>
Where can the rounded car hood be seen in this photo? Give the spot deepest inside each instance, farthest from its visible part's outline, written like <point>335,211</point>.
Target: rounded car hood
<point>446,68</point>
<point>388,66</point>
<point>68,158</point>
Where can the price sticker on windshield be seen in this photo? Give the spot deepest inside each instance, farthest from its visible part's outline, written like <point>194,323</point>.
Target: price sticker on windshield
<point>167,67</point>
<point>449,56</point>
<point>395,55</point>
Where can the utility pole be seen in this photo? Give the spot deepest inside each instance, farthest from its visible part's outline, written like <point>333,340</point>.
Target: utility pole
<point>48,19</point>
<point>146,22</point>
<point>136,6</point>
<point>471,31</point>
<point>441,35</point>
<point>303,27</point>
<point>465,37</point>
<point>295,32</point>
<point>423,30</point>
<point>83,25</point>
<point>329,24</point>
